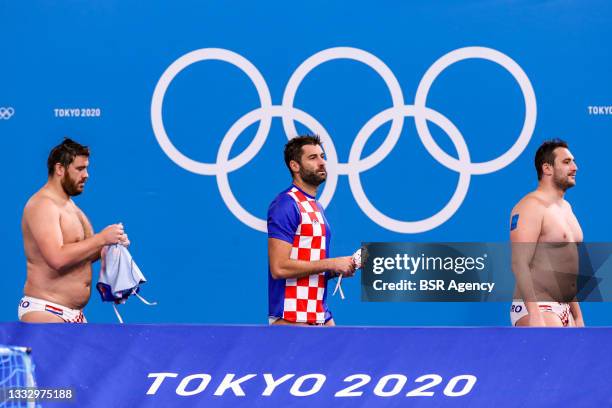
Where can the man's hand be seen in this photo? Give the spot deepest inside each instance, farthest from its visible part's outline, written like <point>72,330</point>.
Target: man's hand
<point>125,241</point>
<point>343,265</point>
<point>113,234</point>
<point>282,267</point>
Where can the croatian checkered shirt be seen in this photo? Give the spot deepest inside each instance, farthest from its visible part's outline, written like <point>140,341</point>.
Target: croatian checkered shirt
<point>297,218</point>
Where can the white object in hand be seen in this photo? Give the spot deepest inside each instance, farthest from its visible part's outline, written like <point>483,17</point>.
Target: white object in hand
<point>339,287</point>
<point>357,259</point>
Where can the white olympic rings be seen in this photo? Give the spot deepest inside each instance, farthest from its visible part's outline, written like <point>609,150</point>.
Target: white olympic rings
<point>6,113</point>
<point>355,165</point>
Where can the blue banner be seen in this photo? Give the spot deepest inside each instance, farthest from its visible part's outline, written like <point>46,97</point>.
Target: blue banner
<point>238,366</point>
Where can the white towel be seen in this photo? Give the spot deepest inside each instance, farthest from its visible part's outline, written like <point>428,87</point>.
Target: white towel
<point>120,277</point>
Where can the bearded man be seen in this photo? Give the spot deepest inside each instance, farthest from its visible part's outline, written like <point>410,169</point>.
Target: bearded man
<point>299,239</point>
<point>545,237</point>
<point>59,241</point>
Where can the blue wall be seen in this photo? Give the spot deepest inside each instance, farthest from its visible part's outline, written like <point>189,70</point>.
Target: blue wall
<point>206,265</point>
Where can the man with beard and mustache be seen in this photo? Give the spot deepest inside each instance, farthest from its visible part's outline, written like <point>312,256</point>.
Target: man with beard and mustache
<point>59,242</point>
<point>298,242</point>
<point>545,235</point>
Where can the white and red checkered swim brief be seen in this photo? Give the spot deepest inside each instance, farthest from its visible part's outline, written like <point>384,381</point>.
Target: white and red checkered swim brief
<point>31,304</point>
<point>518,310</point>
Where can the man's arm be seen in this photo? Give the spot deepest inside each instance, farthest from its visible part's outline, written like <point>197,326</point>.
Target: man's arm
<point>525,231</point>
<point>96,256</point>
<point>281,267</point>
<point>42,218</point>
<point>89,232</point>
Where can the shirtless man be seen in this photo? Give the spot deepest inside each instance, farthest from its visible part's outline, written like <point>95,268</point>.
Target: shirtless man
<point>60,244</point>
<point>545,234</point>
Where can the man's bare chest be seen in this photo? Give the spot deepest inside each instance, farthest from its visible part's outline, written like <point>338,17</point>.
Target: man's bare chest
<point>560,225</point>
<point>74,225</point>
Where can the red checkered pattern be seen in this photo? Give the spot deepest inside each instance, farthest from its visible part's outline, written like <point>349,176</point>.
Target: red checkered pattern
<point>67,315</point>
<point>564,316</point>
<point>304,296</point>
<point>561,309</point>
<point>80,318</point>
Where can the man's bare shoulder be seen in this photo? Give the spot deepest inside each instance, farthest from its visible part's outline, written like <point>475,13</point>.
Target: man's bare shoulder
<point>41,201</point>
<point>531,202</point>
<point>527,217</point>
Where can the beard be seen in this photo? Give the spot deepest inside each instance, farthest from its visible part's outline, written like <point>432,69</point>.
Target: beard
<point>70,186</point>
<point>312,177</point>
<point>563,183</point>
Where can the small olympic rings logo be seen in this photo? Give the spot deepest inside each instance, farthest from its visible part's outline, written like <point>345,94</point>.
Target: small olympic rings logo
<point>356,164</point>
<point>6,113</point>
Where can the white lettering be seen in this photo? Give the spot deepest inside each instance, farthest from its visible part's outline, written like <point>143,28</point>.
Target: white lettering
<point>415,264</point>
<point>309,384</point>
<point>182,387</point>
<point>600,110</point>
<point>316,387</point>
<point>470,286</point>
<point>377,263</point>
<point>159,379</point>
<point>401,285</point>
<point>271,384</point>
<point>400,381</point>
<point>229,382</point>
<point>77,112</point>
<point>362,380</point>
<point>431,284</point>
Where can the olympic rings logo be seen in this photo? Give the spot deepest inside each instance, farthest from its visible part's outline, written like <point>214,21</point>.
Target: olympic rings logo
<point>356,164</point>
<point>6,113</point>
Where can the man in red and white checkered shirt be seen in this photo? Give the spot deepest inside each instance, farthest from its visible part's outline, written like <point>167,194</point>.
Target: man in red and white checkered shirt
<point>298,242</point>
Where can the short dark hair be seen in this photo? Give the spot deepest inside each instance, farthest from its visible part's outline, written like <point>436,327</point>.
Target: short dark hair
<point>546,154</point>
<point>64,154</point>
<point>293,148</point>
